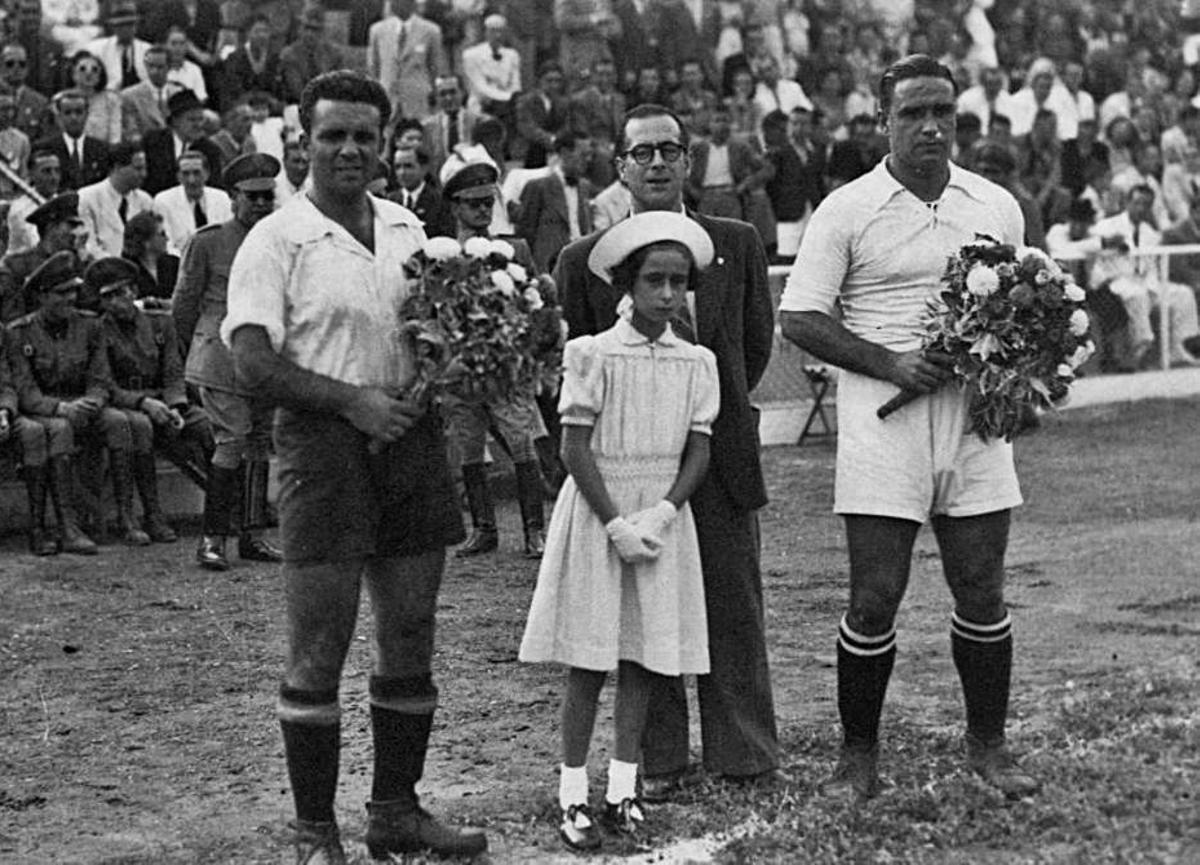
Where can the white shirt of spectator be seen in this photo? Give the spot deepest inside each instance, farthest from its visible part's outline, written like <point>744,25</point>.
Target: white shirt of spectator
<point>189,75</point>
<point>179,214</point>
<point>298,271</point>
<point>99,208</point>
<point>489,78</point>
<point>717,171</point>
<point>572,195</point>
<point>786,97</point>
<point>974,100</point>
<point>879,249</point>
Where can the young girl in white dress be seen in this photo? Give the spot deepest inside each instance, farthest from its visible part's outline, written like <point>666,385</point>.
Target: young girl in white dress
<point>620,584</point>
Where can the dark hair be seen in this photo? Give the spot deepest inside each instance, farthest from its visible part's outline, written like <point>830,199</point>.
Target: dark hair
<point>194,154</point>
<point>488,128</point>
<point>1043,113</point>
<point>1141,189</point>
<point>120,155</point>
<point>651,109</point>
<point>625,274</point>
<point>405,123</point>
<point>139,230</point>
<point>343,85</point>
<point>40,153</point>
<point>102,81</point>
<point>968,121</point>
<point>999,118</point>
<point>912,66</point>
<point>775,119</point>
<point>567,140</point>
<point>993,152</point>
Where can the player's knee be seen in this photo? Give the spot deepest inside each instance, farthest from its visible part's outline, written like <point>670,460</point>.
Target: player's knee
<point>872,613</point>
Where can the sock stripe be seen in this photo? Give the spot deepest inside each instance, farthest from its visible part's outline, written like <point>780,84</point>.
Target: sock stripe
<point>865,646</point>
<point>993,633</point>
<point>412,695</point>
<point>310,714</point>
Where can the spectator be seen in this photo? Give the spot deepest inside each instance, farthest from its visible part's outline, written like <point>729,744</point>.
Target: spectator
<point>14,144</point>
<point>584,28</point>
<point>723,172</point>
<point>291,180</point>
<point>45,175</point>
<point>1123,139</point>
<point>104,105</point>
<point>1000,129</point>
<point>1083,163</point>
<point>309,55</point>
<point>830,54</point>
<point>198,20</point>
<point>144,105</point>
<point>43,52</point>
<point>34,116</point>
<point>419,192</point>
<point>1185,269</point>
<point>253,66</point>
<point>556,209</point>
<point>122,55</point>
<point>829,106</point>
<point>180,70</point>
<point>987,98</point>
<point>266,128</point>
<point>693,99</point>
<point>611,205</point>
<point>862,150</point>
<point>55,222</point>
<point>542,113</point>
<point>191,205</point>
<point>493,72</point>
<point>1043,90</point>
<point>450,126</point>
<point>185,131</point>
<point>1182,140</point>
<point>1040,159</point>
<point>785,190</point>
<point>996,162</point>
<point>967,130</point>
<point>1072,79</point>
<point>1146,167</point>
<point>83,159</point>
<point>744,112</point>
<point>775,94</point>
<point>107,205</point>
<point>234,138</point>
<point>633,44</point>
<point>648,88</point>
<point>69,378</point>
<point>683,31</point>
<point>145,246</point>
<point>405,55</point>
<point>596,113</point>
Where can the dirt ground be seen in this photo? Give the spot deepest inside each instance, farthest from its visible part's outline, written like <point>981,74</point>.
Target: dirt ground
<point>136,691</point>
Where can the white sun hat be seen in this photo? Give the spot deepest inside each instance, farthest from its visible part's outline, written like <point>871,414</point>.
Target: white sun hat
<point>643,229</point>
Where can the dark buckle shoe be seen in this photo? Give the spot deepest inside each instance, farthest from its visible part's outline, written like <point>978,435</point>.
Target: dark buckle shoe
<point>252,549</point>
<point>210,555</point>
<point>997,766</point>
<point>317,843</point>
<point>481,541</point>
<point>535,543</point>
<point>578,830</point>
<point>626,818</point>
<point>404,826</point>
<point>857,772</point>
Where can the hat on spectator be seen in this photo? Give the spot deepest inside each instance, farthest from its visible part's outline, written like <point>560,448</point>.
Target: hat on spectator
<point>469,173</point>
<point>251,172</point>
<point>643,229</point>
<point>59,208</point>
<point>109,274</point>
<point>182,101</point>
<point>57,271</point>
<point>123,12</point>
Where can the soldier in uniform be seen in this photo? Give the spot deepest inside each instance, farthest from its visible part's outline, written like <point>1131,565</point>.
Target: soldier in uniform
<point>470,191</point>
<point>147,372</point>
<point>66,376</point>
<point>238,473</point>
<point>56,222</point>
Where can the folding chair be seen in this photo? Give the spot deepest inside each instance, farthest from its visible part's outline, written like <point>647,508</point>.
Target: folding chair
<point>820,379</point>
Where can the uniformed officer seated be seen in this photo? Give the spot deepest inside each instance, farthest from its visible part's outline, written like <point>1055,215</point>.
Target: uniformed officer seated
<point>147,373</point>
<point>56,221</point>
<point>66,376</point>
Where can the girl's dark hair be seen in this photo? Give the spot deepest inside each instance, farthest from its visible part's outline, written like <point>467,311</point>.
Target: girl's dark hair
<point>625,273</point>
<point>140,228</point>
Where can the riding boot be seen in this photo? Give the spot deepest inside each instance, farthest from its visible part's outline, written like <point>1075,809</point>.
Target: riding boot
<point>483,538</point>
<point>223,488</point>
<point>40,543</point>
<point>122,480</point>
<point>529,496</point>
<point>145,475</point>
<point>251,547</point>
<point>62,495</point>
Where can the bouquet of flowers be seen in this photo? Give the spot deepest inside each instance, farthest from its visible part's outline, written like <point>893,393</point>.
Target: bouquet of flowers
<point>1014,325</point>
<point>478,322</point>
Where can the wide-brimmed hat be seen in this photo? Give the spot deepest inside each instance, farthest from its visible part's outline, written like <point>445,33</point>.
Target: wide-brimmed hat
<point>643,229</point>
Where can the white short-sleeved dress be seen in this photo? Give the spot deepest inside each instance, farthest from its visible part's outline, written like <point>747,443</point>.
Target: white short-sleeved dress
<point>590,609</point>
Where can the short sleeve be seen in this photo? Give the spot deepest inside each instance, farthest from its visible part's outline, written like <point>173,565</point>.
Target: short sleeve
<point>258,283</point>
<point>817,274</point>
<point>708,394</point>
<point>582,393</point>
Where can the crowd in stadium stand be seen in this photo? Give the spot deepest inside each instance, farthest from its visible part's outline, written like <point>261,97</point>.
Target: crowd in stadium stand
<point>118,127</point>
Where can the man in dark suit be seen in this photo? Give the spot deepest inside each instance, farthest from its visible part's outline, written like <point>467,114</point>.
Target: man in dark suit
<point>83,159</point>
<point>185,131</point>
<point>541,114</point>
<point>597,112</point>
<point>419,193</point>
<point>556,209</point>
<point>732,316</point>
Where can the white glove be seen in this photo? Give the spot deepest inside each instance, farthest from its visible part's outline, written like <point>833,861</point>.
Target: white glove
<point>653,521</point>
<point>632,545</point>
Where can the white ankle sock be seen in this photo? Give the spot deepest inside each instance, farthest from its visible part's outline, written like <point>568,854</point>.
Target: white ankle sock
<point>622,781</point>
<point>572,786</point>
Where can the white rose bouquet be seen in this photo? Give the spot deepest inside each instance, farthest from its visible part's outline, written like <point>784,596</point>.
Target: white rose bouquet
<point>1013,321</point>
<point>478,323</point>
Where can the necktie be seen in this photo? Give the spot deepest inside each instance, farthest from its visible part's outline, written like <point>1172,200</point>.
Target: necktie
<point>75,154</point>
<point>123,209</point>
<point>451,130</point>
<point>128,70</point>
<point>496,54</point>
<point>403,37</point>
<point>1137,230</point>
<point>198,215</point>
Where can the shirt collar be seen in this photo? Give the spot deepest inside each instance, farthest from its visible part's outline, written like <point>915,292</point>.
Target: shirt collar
<point>308,223</point>
<point>883,186</point>
<point>631,336</point>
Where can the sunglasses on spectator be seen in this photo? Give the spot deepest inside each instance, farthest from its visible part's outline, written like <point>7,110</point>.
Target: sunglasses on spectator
<point>643,154</point>
<point>488,202</point>
<point>15,63</point>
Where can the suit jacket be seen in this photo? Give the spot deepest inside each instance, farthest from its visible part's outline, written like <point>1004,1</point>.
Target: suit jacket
<point>488,79</point>
<point>743,163</point>
<point>142,110</point>
<point>680,39</point>
<point>436,128</point>
<point>734,319</point>
<point>34,116</point>
<point>407,74</point>
<point>590,116</point>
<point>161,165</point>
<point>95,161</point>
<point>543,219</point>
<point>536,127</point>
<point>238,76</point>
<point>431,209</point>
<point>108,52</point>
<point>98,203</point>
<point>633,48</point>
